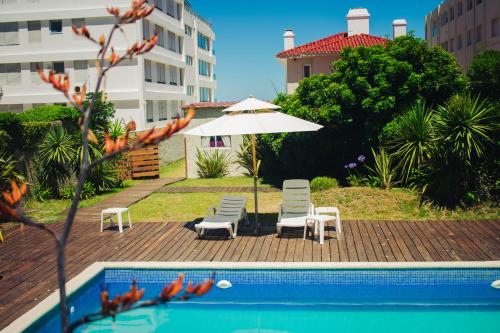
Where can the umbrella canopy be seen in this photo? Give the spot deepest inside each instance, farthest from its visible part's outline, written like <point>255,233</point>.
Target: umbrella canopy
<point>253,123</point>
<point>251,104</point>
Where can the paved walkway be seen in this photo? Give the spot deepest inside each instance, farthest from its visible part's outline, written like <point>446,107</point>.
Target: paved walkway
<point>221,189</point>
<point>125,198</point>
<point>28,271</point>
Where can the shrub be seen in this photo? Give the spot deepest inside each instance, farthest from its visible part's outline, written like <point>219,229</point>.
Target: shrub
<point>88,191</point>
<point>212,164</point>
<point>4,141</point>
<point>49,113</point>
<point>102,113</point>
<point>323,183</point>
<point>104,176</point>
<point>8,171</point>
<point>382,174</point>
<point>41,194</point>
<point>56,156</point>
<point>9,123</point>
<point>33,132</point>
<point>411,138</point>
<point>484,75</point>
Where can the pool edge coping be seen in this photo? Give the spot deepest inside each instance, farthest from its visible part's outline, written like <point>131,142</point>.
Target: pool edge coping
<point>51,301</point>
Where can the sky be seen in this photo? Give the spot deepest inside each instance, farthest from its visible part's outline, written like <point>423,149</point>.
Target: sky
<point>249,33</point>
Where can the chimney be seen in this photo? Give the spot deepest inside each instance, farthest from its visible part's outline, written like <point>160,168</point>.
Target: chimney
<point>288,39</point>
<point>358,21</point>
<point>398,28</point>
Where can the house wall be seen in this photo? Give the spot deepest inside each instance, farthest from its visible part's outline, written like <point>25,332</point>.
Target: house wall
<point>295,68</point>
<point>442,30</point>
<point>193,143</point>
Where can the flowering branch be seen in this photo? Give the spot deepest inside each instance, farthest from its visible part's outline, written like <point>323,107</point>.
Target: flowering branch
<point>131,300</point>
<point>107,58</point>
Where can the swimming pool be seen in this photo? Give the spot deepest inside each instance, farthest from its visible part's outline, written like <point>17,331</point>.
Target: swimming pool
<point>301,299</point>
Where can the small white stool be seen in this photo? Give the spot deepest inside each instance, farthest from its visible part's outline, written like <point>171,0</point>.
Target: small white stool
<point>318,224</point>
<point>336,214</point>
<point>118,212</point>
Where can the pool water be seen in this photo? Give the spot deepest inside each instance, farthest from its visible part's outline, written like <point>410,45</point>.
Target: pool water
<point>342,300</point>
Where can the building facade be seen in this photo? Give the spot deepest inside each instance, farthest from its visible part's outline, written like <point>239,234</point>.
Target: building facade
<point>317,57</point>
<point>150,89</point>
<point>464,27</point>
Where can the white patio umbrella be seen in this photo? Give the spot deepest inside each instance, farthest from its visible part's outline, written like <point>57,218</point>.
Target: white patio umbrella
<point>252,116</point>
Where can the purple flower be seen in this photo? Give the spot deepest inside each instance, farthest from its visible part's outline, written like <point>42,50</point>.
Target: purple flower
<point>346,166</point>
<point>352,165</point>
<point>361,158</point>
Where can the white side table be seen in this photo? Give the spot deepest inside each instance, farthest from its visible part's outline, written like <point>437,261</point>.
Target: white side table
<point>118,212</point>
<point>318,223</point>
<point>336,214</point>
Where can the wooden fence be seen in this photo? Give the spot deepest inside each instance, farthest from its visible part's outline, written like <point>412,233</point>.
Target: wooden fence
<point>141,163</point>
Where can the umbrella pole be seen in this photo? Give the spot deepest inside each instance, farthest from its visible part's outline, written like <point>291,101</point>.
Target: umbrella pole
<point>255,180</point>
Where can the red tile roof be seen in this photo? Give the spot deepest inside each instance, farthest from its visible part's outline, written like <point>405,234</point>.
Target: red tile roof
<point>206,105</point>
<point>332,44</point>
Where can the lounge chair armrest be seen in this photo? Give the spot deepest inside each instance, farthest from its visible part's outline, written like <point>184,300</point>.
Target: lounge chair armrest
<point>211,210</point>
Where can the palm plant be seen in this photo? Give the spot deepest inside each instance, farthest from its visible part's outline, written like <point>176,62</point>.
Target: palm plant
<point>56,155</point>
<point>382,173</point>
<point>413,139</point>
<point>212,164</point>
<point>465,126</point>
<point>8,170</point>
<point>244,156</point>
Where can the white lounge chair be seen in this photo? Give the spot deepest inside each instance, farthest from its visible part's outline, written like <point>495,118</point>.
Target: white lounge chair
<point>230,211</point>
<point>296,204</point>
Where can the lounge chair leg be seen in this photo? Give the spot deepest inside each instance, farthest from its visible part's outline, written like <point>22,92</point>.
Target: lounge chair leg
<point>278,229</point>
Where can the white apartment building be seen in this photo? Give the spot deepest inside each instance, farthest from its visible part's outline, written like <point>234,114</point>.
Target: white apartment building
<point>149,89</point>
<point>464,27</point>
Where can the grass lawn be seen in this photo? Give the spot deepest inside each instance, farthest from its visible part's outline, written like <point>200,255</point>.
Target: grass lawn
<point>361,203</point>
<point>55,210</point>
<point>173,170</point>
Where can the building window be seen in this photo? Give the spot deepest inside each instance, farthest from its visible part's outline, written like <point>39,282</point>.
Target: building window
<point>15,108</point>
<point>460,42</point>
<point>460,8</point>
<point>173,76</point>
<point>469,4</point>
<point>179,44</point>
<point>203,68</point>
<point>452,45</point>
<point>171,8</point>
<point>203,42</point>
<point>34,31</point>
<point>35,78</point>
<point>171,42</point>
<point>189,60</point>
<point>478,2</point>
<point>469,37</point>
<point>10,74</point>
<point>58,67</point>
<point>81,71</point>
<point>452,13</point>
<point>160,71</point>
<point>9,34</point>
<point>190,90</point>
<point>145,29</point>
<point>55,26</point>
<point>434,29</point>
<point>479,33</point>
<point>147,71</point>
<point>162,111</point>
<point>495,27</point>
<point>219,141</point>
<point>188,30</point>
<point>149,112</point>
<point>158,4</point>
<point>205,94</point>
<point>307,70</point>
<point>161,37</point>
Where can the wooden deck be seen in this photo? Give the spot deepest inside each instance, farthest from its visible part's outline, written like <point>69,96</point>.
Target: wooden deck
<point>28,271</point>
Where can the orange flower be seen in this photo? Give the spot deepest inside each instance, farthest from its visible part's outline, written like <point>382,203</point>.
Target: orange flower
<point>173,289</point>
<point>113,58</point>
<point>113,11</point>
<point>111,146</point>
<point>58,81</point>
<point>102,40</point>
<point>79,98</point>
<point>12,199</point>
<point>83,31</point>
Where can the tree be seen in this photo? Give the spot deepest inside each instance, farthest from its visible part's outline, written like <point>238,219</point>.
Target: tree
<point>104,111</point>
<point>369,86</point>
<point>484,75</point>
<point>10,209</point>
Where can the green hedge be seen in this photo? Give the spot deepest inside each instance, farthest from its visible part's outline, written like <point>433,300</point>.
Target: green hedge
<point>24,130</point>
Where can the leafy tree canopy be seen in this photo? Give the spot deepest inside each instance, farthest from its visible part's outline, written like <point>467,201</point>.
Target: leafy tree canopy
<point>484,75</point>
